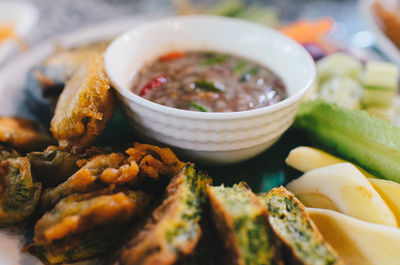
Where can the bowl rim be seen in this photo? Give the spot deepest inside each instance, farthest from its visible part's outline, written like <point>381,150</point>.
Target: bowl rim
<point>131,96</point>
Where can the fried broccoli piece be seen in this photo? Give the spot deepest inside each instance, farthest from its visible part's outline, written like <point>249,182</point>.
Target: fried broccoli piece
<point>53,166</point>
<point>84,107</point>
<point>92,244</point>
<point>23,134</point>
<point>292,225</point>
<point>81,212</point>
<point>173,231</point>
<point>242,222</point>
<point>19,194</point>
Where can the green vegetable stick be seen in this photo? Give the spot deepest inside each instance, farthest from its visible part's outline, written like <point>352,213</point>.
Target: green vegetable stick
<point>370,142</point>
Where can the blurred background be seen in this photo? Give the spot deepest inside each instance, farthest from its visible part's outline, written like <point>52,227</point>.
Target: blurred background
<point>61,16</point>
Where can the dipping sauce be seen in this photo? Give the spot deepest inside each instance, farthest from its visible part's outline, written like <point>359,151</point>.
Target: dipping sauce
<point>208,82</point>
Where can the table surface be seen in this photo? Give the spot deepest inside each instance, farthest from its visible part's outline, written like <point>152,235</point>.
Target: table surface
<point>57,17</point>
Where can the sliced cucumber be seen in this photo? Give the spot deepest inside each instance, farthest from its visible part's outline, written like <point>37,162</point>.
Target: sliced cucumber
<point>343,91</point>
<point>378,98</point>
<point>381,76</point>
<point>338,64</point>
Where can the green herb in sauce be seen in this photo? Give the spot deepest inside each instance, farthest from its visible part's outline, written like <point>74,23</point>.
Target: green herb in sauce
<point>239,67</point>
<point>249,74</point>
<point>198,106</point>
<point>216,60</point>
<point>207,86</point>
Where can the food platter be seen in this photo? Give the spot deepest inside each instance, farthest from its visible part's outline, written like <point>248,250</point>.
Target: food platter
<point>261,173</point>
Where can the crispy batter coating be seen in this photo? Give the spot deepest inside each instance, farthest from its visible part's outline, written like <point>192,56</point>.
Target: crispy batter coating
<point>83,180</point>
<point>19,194</point>
<point>84,107</point>
<point>173,231</point>
<point>23,134</point>
<point>79,213</point>
<point>154,161</point>
<point>144,161</point>
<point>53,166</point>
<point>92,244</point>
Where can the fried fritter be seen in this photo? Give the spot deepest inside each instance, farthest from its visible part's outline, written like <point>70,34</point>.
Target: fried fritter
<point>95,243</point>
<point>83,180</point>
<point>154,161</point>
<point>81,212</point>
<point>173,231</point>
<point>23,134</point>
<point>84,107</point>
<point>242,222</point>
<point>19,194</point>
<point>144,161</point>
<point>53,166</point>
<point>292,225</point>
<point>46,81</point>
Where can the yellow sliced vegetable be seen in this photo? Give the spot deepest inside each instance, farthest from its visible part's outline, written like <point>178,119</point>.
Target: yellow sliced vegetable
<point>390,192</point>
<point>342,187</point>
<point>356,241</point>
<point>306,158</point>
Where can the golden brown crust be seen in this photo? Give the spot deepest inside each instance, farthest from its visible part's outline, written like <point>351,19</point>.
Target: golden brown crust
<point>84,107</point>
<point>76,214</point>
<point>152,246</point>
<point>23,134</point>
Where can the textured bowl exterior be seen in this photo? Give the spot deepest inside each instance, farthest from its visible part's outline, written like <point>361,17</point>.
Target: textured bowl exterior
<point>217,141</point>
<point>214,138</point>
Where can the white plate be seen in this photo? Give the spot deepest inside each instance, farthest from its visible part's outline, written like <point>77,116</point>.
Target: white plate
<point>12,82</point>
<point>384,43</point>
<point>23,16</point>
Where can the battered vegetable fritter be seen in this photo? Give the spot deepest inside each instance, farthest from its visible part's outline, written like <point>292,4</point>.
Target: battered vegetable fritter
<point>242,223</point>
<point>144,161</point>
<point>95,243</point>
<point>291,223</point>
<point>79,213</point>
<point>19,193</point>
<point>84,180</point>
<point>23,134</point>
<point>53,166</point>
<point>84,107</point>
<point>174,230</point>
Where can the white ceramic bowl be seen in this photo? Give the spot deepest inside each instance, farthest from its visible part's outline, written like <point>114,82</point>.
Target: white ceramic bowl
<point>215,138</point>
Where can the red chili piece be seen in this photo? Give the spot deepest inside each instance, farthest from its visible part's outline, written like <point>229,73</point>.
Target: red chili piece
<point>171,56</point>
<point>153,84</point>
